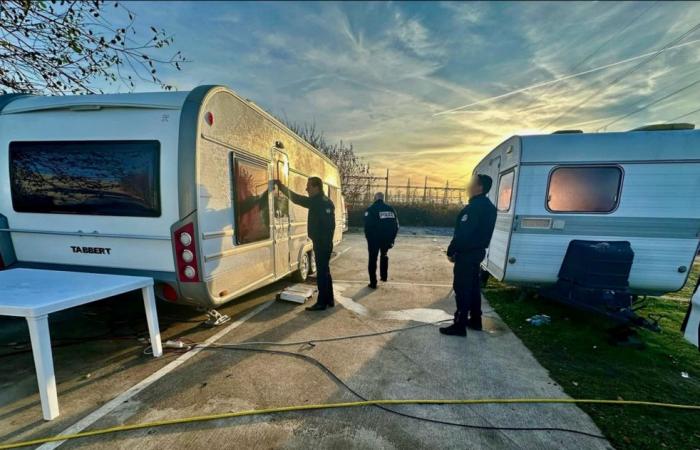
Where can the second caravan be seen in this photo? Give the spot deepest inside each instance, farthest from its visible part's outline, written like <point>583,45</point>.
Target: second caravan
<point>641,187</point>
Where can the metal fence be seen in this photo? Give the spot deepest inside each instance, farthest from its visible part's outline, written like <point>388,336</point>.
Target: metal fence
<point>361,189</point>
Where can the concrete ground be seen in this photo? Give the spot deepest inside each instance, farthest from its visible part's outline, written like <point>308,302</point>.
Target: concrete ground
<point>415,364</point>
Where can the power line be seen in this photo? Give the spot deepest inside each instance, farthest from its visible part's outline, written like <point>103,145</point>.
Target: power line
<point>624,75</point>
<point>600,47</point>
<point>685,115</point>
<point>557,80</point>
<point>624,116</point>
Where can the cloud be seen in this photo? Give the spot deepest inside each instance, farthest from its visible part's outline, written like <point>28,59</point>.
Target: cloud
<point>375,73</point>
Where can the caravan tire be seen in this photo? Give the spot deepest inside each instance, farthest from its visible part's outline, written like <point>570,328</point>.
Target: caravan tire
<point>304,268</point>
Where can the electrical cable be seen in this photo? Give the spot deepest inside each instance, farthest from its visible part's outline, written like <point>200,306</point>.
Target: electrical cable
<point>659,100</point>
<point>364,402</point>
<point>283,409</point>
<point>340,382</point>
<point>341,338</point>
<point>625,74</point>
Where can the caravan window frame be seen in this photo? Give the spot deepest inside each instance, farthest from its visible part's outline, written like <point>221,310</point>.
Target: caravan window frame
<point>259,163</point>
<point>618,195</point>
<point>498,191</point>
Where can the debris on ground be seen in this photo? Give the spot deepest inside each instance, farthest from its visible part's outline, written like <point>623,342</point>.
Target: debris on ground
<point>685,375</point>
<point>297,293</point>
<point>539,319</point>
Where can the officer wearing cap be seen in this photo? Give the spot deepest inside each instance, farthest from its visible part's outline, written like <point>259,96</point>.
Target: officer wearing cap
<point>472,235</point>
<point>381,227</point>
<point>321,227</point>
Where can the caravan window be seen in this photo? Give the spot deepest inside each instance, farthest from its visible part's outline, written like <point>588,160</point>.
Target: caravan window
<point>505,191</point>
<point>109,178</point>
<point>281,201</point>
<point>251,209</point>
<point>591,189</point>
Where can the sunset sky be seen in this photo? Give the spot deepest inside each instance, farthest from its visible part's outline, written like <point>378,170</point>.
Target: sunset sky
<point>385,76</point>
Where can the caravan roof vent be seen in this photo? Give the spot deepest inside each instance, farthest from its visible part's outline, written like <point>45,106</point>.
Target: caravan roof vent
<point>666,127</point>
<point>567,131</point>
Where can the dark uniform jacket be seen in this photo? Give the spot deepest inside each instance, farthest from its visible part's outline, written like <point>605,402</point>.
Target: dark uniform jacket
<point>381,224</point>
<point>321,222</point>
<point>473,231</point>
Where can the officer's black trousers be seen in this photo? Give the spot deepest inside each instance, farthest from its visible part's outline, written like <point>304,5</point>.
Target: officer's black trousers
<point>467,291</point>
<point>376,249</point>
<point>324,282</point>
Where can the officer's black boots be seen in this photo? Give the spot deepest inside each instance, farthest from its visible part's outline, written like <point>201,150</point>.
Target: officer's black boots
<point>316,307</point>
<point>475,323</point>
<point>372,285</point>
<point>454,330</point>
<point>458,328</point>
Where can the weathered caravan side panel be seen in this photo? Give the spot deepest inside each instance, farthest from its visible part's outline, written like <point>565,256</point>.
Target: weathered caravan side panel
<point>240,131</point>
<point>656,210</point>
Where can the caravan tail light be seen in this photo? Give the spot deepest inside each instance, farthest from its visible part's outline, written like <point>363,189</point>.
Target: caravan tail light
<point>186,254</point>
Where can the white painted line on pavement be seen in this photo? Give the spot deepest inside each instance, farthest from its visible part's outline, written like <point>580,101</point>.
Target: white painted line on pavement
<point>128,394</point>
<point>338,255</point>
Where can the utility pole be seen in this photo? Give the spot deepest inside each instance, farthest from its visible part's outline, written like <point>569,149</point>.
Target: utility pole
<point>408,191</point>
<point>425,189</point>
<point>386,186</point>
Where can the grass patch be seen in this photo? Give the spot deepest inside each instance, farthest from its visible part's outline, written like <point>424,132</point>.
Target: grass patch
<point>574,349</point>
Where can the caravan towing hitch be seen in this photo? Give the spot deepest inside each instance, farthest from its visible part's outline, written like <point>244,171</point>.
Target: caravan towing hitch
<point>215,318</point>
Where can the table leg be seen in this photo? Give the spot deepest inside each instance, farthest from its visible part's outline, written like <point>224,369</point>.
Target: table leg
<point>43,362</point>
<point>149,301</point>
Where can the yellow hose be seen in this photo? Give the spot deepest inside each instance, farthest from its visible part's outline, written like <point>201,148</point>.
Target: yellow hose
<point>255,412</point>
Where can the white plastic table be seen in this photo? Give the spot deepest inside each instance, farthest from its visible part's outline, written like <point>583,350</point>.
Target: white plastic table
<point>34,294</point>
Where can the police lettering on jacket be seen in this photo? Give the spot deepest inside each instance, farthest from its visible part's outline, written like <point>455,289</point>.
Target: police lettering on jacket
<point>381,223</point>
<point>473,230</point>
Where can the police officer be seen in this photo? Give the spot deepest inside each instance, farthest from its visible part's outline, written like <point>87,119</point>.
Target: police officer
<point>321,227</point>
<point>381,226</point>
<point>472,235</point>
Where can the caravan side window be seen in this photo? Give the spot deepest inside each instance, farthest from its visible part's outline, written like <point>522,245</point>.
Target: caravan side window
<point>104,178</point>
<point>584,189</point>
<point>505,191</point>
<point>251,208</point>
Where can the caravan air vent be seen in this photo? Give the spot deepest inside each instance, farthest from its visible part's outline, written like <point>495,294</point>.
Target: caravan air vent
<point>567,131</point>
<point>666,127</point>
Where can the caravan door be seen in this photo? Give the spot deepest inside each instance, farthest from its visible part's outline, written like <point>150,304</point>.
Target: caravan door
<point>492,171</point>
<point>281,223</point>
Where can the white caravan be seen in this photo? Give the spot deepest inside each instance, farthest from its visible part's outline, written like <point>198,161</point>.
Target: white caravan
<point>172,185</point>
<point>640,186</point>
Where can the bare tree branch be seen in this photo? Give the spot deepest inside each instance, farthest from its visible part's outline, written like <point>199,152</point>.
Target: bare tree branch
<point>61,47</point>
<point>342,154</point>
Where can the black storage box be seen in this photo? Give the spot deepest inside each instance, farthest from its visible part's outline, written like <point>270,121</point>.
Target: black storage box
<point>598,265</point>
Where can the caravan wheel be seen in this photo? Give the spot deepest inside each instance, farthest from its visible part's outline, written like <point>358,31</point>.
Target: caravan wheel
<point>304,268</point>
